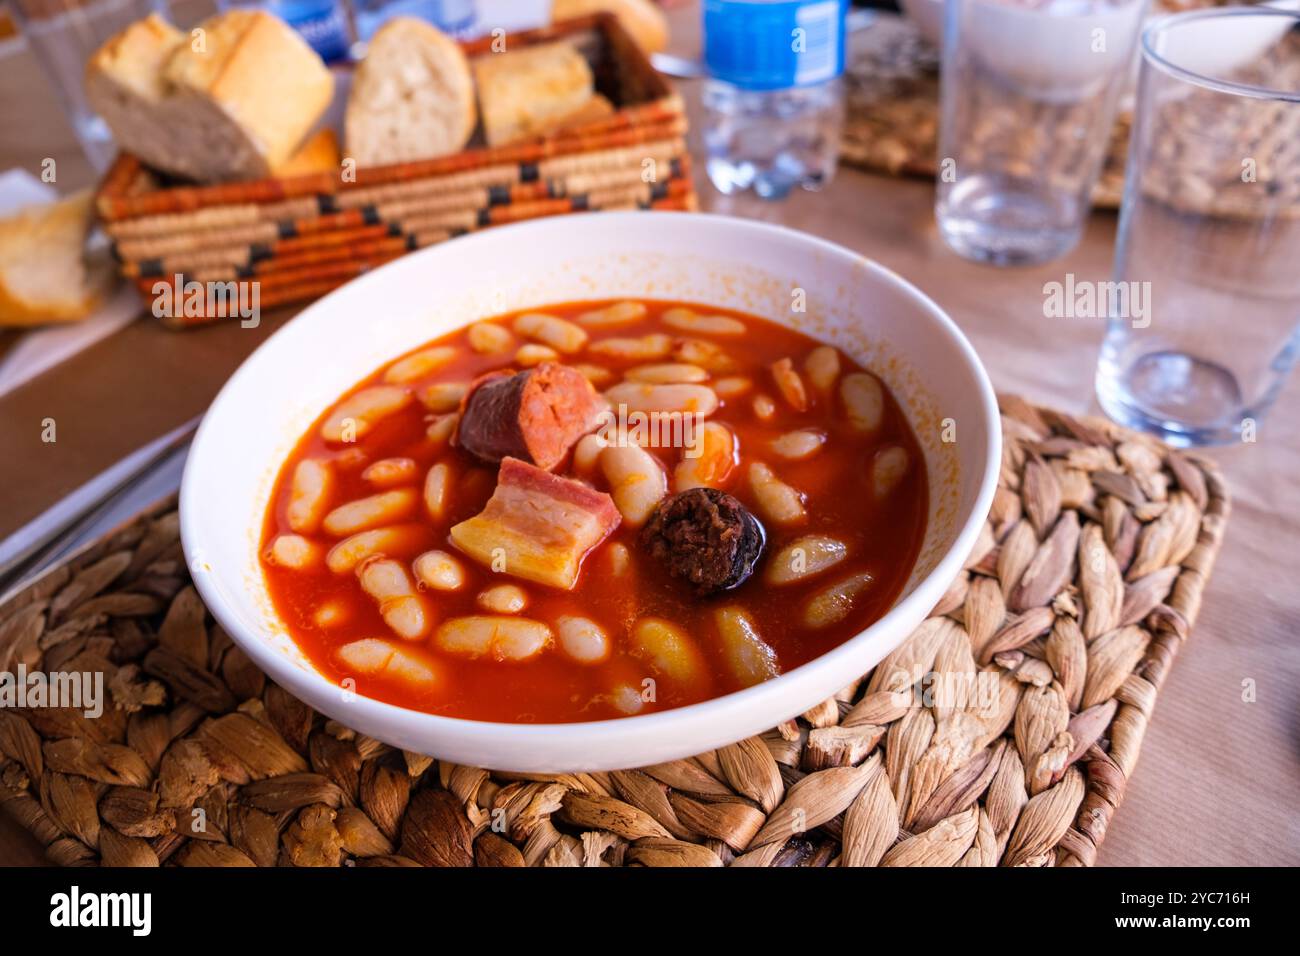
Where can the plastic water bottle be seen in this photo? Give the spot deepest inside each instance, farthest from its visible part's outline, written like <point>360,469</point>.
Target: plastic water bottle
<point>455,17</point>
<point>773,102</point>
<point>322,23</point>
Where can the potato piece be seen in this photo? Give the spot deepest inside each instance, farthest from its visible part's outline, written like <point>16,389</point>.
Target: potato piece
<point>355,416</point>
<point>388,472</point>
<point>488,338</point>
<point>667,648</point>
<point>443,396</point>
<point>636,481</point>
<point>684,399</point>
<point>647,348</point>
<point>503,599</point>
<point>833,604</point>
<point>822,366</point>
<point>582,639</point>
<point>690,321</point>
<point>789,384</point>
<point>620,313</point>
<point>419,364</point>
<point>531,354</point>
<point>397,540</point>
<point>295,552</point>
<point>437,491</point>
<point>440,571</point>
<point>751,659</point>
<point>309,494</point>
<point>667,373</point>
<point>780,503</point>
<point>799,445</point>
<point>716,458</point>
<point>864,401</point>
<point>888,468</point>
<point>559,334</point>
<point>498,637</point>
<point>805,557</point>
<point>384,508</point>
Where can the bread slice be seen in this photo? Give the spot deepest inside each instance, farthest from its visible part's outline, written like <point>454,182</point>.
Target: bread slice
<point>641,18</point>
<point>320,154</point>
<point>525,93</point>
<point>43,272</point>
<point>412,97</point>
<point>230,101</point>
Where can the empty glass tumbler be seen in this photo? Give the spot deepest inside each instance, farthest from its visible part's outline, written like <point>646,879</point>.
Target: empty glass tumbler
<point>1028,107</point>
<point>1209,232</point>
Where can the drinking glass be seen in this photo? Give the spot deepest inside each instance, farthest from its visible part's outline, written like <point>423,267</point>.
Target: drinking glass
<point>63,34</point>
<point>1028,98</point>
<point>1209,231</point>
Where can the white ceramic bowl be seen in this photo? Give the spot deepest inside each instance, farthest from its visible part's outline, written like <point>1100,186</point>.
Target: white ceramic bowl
<point>867,311</point>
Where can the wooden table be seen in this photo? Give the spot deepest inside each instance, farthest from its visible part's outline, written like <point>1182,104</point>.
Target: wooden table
<point>1219,776</point>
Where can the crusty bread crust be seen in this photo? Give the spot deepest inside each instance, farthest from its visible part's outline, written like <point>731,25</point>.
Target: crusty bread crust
<point>527,92</point>
<point>412,97</point>
<point>43,275</point>
<point>641,18</point>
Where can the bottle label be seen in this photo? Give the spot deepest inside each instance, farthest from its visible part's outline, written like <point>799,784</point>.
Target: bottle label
<point>776,45</point>
<point>321,22</point>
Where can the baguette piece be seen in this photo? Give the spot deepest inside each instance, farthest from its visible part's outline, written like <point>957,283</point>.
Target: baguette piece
<point>641,18</point>
<point>319,154</point>
<point>412,97</point>
<point>231,101</point>
<point>43,273</point>
<point>525,93</point>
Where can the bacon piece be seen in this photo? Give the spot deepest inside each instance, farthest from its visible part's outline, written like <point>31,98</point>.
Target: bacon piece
<point>537,526</point>
<point>535,415</point>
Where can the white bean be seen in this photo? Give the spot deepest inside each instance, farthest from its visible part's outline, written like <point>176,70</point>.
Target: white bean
<point>626,699</point>
<point>686,399</point>
<point>437,490</point>
<point>586,453</point>
<point>620,313</point>
<point>442,428</point>
<point>502,638</point>
<point>764,407</point>
<point>387,582</point>
<point>620,558</point>
<point>331,614</point>
<point>390,471</point>
<point>295,552</point>
<point>778,502</point>
<point>597,375</point>
<point>834,603</point>
<point>716,457</point>
<point>488,338</point>
<point>751,659</point>
<point>419,364</point>
<point>357,414</point>
<point>351,551</point>
<point>381,509</point>
<point>636,480</point>
<point>582,639</point>
<point>799,445</point>
<point>440,571</point>
<point>805,557</point>
<point>383,658</point>
<point>789,384</point>
<point>822,366</point>
<point>443,396</point>
<point>559,334</point>
<point>647,348</point>
<point>668,648</point>
<point>708,355</point>
<point>689,321</point>
<point>667,373</point>
<point>503,599</point>
<point>532,354</point>
<point>864,400</point>
<point>887,469</point>
<point>733,386</point>
<point>309,494</point>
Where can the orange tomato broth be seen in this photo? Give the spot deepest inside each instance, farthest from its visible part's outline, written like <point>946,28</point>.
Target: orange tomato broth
<point>882,538</point>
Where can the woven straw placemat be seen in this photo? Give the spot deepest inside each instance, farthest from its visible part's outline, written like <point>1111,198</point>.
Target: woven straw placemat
<point>1085,582</point>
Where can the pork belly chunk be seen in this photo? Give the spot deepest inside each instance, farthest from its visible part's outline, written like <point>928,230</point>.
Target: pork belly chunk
<point>537,526</point>
<point>535,415</point>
